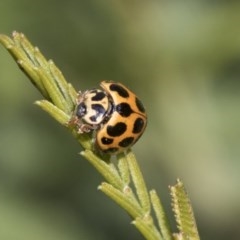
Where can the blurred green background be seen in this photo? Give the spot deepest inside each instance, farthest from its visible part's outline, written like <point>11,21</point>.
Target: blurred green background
<point>182,58</point>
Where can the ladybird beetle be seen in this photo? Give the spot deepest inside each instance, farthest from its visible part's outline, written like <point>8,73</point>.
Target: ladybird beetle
<point>115,114</point>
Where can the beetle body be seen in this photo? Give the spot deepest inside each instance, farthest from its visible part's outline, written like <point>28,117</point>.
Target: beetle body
<point>115,114</point>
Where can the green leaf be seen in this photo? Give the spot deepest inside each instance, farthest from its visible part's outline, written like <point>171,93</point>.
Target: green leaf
<point>121,199</point>
<point>139,182</point>
<point>183,212</point>
<point>146,227</point>
<point>123,168</point>
<point>53,111</point>
<point>161,216</point>
<point>106,170</point>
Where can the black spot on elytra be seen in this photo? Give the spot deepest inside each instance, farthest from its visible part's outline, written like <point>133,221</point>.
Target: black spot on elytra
<point>81,110</point>
<point>140,105</point>
<point>119,89</point>
<point>126,142</point>
<point>138,125</point>
<point>116,130</point>
<point>124,109</point>
<point>98,96</point>
<point>106,141</point>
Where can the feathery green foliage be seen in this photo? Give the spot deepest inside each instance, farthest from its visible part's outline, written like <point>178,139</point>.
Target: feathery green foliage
<point>124,181</point>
